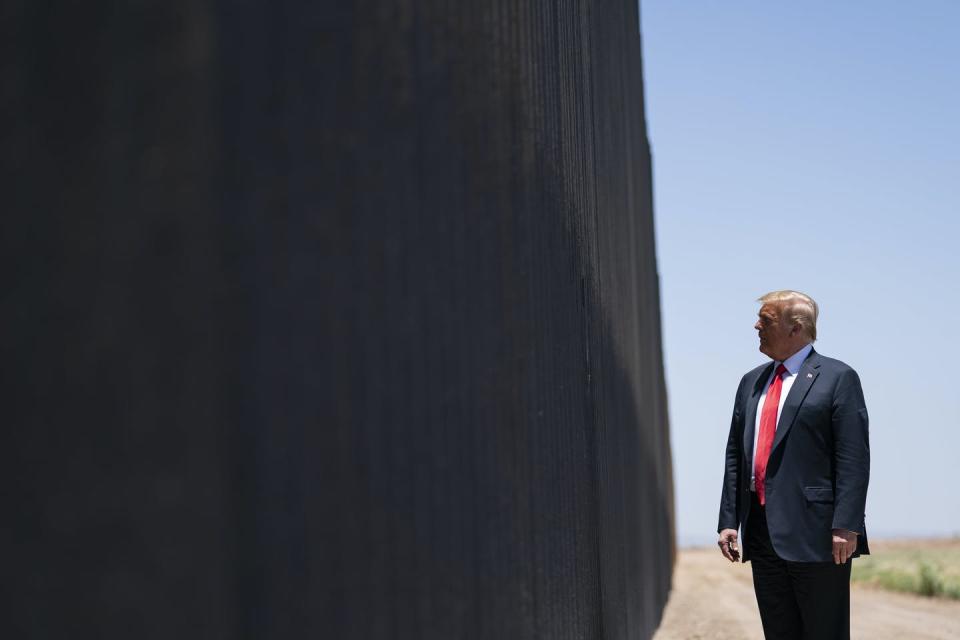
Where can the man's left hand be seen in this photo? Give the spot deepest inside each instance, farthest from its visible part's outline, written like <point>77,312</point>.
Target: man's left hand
<point>844,544</point>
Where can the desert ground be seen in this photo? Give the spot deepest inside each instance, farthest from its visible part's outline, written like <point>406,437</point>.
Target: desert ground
<point>713,599</point>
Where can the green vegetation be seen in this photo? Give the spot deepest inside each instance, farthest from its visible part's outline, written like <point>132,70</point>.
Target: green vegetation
<point>926,569</point>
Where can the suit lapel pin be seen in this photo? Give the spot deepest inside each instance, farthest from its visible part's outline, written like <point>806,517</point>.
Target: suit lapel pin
<point>809,375</point>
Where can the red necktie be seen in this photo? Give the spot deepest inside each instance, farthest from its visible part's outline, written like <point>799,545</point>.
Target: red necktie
<point>768,428</point>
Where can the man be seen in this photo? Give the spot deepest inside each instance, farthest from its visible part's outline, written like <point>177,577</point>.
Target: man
<point>796,473</point>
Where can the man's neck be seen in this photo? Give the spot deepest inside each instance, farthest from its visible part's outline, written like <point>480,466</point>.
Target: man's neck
<point>804,349</point>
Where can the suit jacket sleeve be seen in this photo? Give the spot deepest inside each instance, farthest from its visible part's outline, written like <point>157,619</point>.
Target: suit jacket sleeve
<point>732,467</point>
<point>851,448</point>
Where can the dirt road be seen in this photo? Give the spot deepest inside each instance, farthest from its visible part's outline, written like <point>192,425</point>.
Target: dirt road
<point>713,600</point>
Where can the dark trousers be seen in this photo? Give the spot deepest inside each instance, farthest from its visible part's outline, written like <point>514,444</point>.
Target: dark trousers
<point>797,600</point>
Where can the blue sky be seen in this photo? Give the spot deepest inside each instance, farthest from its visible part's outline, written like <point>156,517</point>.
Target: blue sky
<point>812,146</point>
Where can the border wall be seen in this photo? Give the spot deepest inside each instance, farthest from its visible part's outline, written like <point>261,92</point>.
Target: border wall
<point>333,321</point>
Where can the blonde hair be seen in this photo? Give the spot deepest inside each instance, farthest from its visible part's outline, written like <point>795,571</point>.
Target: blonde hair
<point>797,307</point>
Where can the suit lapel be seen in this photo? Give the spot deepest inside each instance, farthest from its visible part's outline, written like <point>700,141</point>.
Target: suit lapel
<point>750,414</point>
<point>807,375</point>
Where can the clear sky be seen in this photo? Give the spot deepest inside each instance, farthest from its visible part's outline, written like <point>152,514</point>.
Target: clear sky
<point>812,146</point>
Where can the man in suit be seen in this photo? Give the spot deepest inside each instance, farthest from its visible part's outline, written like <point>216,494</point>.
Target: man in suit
<point>795,478</point>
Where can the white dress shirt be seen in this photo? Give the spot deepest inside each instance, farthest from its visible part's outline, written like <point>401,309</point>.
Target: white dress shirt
<point>792,365</point>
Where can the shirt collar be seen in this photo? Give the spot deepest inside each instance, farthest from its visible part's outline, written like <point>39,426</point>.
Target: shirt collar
<point>793,362</point>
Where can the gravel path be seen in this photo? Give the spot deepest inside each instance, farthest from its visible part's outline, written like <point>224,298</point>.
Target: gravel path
<point>713,599</point>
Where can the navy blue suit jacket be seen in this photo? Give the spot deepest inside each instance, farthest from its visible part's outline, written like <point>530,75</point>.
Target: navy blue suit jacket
<point>819,465</point>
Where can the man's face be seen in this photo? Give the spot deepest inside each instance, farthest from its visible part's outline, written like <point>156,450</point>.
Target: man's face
<point>777,339</point>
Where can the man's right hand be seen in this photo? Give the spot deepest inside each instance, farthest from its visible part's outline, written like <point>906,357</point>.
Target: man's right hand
<point>728,545</point>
